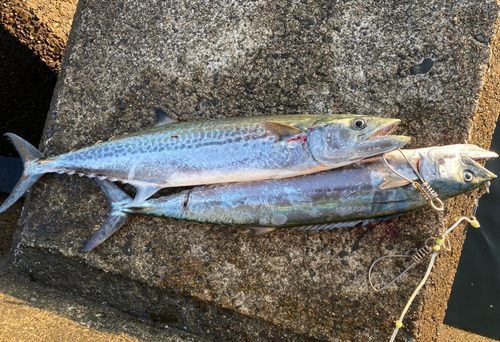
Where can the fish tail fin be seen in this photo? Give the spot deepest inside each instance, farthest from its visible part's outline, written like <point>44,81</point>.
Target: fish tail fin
<point>117,199</point>
<point>31,158</point>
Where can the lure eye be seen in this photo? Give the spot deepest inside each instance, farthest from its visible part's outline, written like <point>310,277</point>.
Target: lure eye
<point>468,176</point>
<point>359,123</point>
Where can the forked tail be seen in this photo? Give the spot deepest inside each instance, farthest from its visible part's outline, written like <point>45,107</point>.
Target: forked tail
<point>117,199</point>
<point>30,157</point>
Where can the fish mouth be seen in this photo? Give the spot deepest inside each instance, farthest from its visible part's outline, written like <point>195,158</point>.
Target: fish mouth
<point>385,129</point>
<point>482,155</point>
<point>379,142</point>
<point>475,155</point>
<point>380,139</point>
<point>474,152</point>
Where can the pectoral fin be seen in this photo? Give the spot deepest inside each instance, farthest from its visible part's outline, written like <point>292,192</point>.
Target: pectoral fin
<point>391,184</point>
<point>281,131</point>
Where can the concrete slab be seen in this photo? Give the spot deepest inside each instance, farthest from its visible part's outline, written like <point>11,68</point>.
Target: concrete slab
<point>433,65</point>
<point>30,311</point>
<point>40,313</point>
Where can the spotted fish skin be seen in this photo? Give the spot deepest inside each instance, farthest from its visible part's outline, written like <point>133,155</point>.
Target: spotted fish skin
<point>218,151</point>
<point>190,154</point>
<point>343,197</point>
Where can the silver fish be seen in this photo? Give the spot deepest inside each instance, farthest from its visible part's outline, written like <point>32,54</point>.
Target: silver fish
<point>220,151</point>
<point>344,197</point>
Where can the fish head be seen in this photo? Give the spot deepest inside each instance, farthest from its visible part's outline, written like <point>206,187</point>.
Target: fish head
<point>453,170</point>
<point>351,138</point>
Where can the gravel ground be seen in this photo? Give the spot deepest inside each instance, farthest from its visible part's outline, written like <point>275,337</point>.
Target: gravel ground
<point>33,36</point>
<point>31,312</point>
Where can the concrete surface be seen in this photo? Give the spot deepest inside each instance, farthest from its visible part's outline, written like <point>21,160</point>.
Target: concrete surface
<point>432,65</point>
<point>32,312</point>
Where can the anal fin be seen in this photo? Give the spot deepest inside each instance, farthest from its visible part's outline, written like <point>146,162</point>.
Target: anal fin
<point>347,224</point>
<point>260,231</point>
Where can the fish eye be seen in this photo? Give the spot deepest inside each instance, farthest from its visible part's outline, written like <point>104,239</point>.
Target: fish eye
<point>468,176</point>
<point>359,123</point>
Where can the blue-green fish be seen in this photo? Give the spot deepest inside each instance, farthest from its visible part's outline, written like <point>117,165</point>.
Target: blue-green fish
<point>353,195</point>
<point>217,151</point>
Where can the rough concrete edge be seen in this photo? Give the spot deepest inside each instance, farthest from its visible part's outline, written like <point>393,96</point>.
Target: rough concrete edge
<point>72,39</point>
<point>9,258</point>
<point>7,262</point>
<point>222,323</point>
<point>450,333</point>
<point>91,315</point>
<point>480,133</point>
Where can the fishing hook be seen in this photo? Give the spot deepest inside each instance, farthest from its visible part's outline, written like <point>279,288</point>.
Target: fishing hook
<point>416,257</point>
<point>426,250</point>
<point>430,195</point>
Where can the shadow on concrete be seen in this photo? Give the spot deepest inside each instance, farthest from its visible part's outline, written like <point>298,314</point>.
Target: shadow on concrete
<point>26,87</point>
<point>53,307</point>
<point>174,314</point>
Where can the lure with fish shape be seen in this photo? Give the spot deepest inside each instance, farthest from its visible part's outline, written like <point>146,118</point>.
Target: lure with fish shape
<point>217,151</point>
<point>345,197</point>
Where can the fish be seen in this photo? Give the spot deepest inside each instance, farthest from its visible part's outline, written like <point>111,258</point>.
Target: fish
<point>173,154</point>
<point>354,195</point>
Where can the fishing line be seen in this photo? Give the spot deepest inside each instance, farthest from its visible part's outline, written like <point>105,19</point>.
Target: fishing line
<point>437,247</point>
<point>440,242</point>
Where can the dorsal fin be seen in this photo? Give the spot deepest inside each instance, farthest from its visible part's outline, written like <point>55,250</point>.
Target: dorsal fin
<point>162,118</point>
<point>282,131</point>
